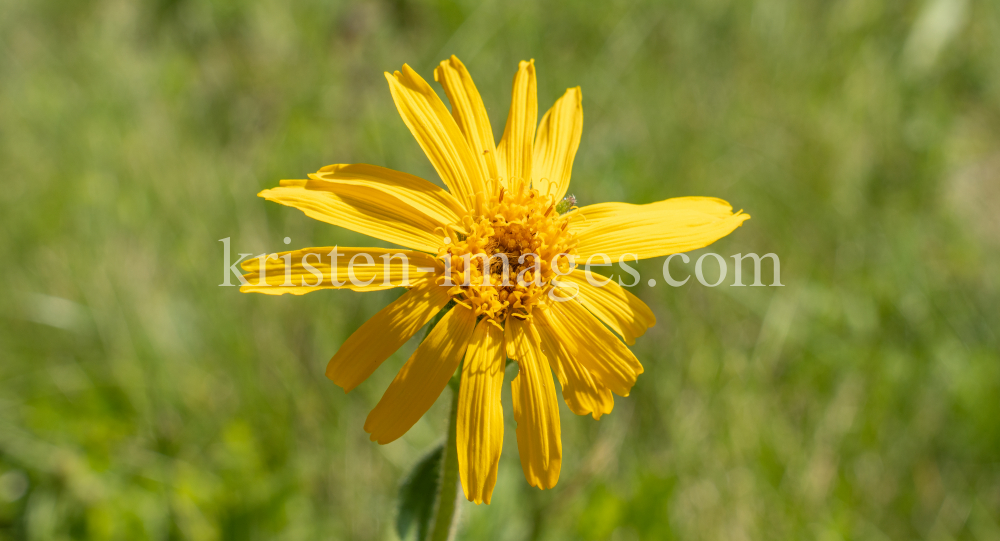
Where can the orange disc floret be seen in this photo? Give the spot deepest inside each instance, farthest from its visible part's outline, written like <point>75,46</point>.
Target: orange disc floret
<point>503,266</point>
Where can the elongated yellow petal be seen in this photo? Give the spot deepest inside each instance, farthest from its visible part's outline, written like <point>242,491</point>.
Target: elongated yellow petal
<point>359,208</point>
<point>536,409</point>
<point>434,202</point>
<point>310,269</point>
<point>607,359</point>
<point>423,377</point>
<point>657,230</point>
<point>438,134</point>
<point>591,215</point>
<point>556,144</point>
<point>480,415</point>
<point>516,147</point>
<point>620,310</point>
<point>470,115</point>
<point>384,333</point>
<point>581,391</point>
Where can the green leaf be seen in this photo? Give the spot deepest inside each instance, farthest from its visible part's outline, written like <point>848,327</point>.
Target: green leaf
<point>417,494</point>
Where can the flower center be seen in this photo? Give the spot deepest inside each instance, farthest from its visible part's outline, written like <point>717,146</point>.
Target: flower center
<point>505,264</point>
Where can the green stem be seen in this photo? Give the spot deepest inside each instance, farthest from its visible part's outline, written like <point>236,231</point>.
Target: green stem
<point>446,507</point>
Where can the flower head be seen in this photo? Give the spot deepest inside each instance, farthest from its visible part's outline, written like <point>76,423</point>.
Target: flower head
<point>500,247</point>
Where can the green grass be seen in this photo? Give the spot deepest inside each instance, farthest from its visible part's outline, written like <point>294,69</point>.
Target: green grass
<point>138,400</point>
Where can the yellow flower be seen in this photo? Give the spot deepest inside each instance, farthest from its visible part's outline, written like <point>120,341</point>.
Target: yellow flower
<point>501,201</point>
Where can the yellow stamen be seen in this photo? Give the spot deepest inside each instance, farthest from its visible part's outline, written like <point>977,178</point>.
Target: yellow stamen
<point>517,225</point>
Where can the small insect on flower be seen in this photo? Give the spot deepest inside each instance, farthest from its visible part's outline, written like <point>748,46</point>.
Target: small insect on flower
<point>499,247</point>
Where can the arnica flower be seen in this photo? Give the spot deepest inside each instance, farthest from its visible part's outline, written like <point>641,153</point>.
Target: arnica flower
<point>504,199</point>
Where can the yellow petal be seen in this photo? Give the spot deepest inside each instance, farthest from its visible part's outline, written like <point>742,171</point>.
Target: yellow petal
<point>366,210</point>
<point>607,359</point>
<point>555,147</point>
<point>438,134</point>
<point>434,202</point>
<point>423,377</point>
<point>587,216</point>
<point>536,409</point>
<point>470,115</point>
<point>332,270</point>
<point>515,149</point>
<point>581,391</point>
<point>384,333</point>
<point>620,310</point>
<point>667,227</point>
<point>480,415</point>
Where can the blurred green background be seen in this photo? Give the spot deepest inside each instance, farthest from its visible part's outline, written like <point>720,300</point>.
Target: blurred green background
<point>139,400</point>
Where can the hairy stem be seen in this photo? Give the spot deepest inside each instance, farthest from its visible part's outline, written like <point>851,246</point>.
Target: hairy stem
<point>443,524</point>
